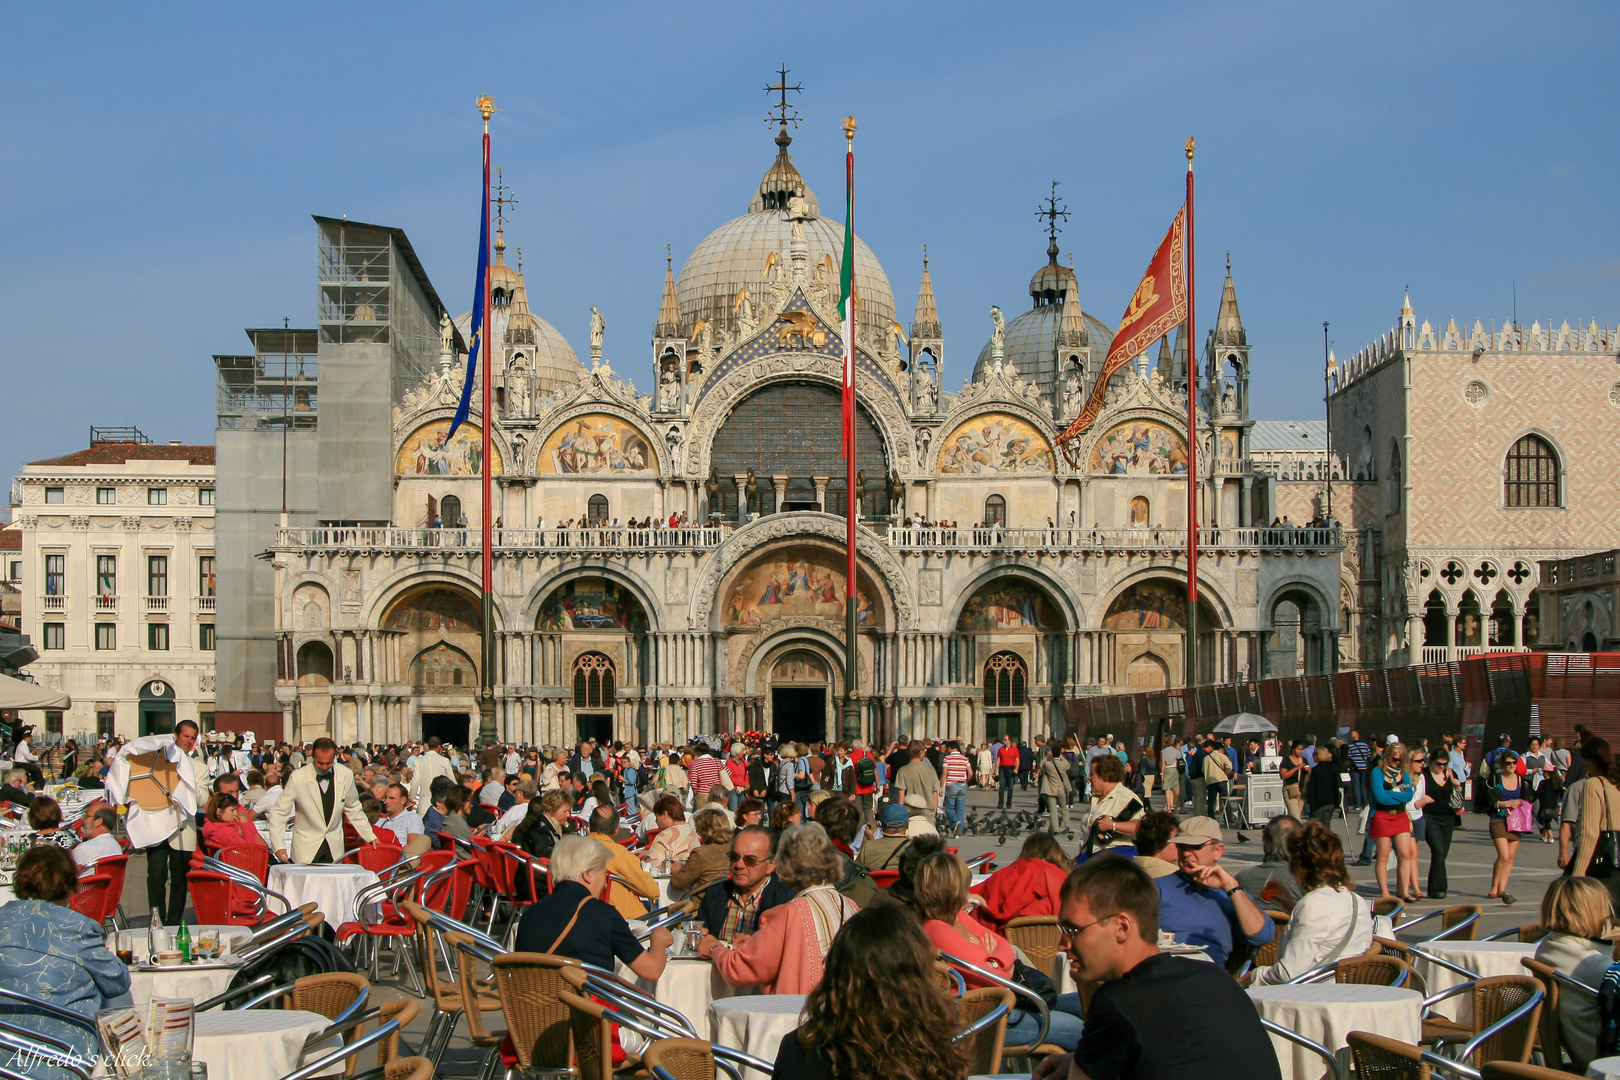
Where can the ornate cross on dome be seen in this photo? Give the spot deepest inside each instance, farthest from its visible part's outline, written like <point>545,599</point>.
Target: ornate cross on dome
<point>1052,211</point>
<point>782,113</point>
<point>503,199</point>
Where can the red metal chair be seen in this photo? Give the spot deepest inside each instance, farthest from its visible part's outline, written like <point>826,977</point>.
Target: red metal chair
<point>378,859</point>
<point>884,878</point>
<point>450,894</point>
<point>219,901</point>
<point>254,858</point>
<point>95,898</point>
<point>116,867</point>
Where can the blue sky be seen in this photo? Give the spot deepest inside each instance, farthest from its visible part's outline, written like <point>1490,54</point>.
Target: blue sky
<point>163,164</point>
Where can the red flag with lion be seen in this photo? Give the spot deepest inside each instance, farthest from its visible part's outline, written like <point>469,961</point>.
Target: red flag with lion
<point>1159,305</point>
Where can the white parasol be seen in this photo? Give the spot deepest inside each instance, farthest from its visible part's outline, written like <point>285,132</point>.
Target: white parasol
<point>19,694</point>
<point>155,781</point>
<point>1244,723</point>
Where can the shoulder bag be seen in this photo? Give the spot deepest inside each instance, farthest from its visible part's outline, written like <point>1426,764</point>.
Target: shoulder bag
<point>1606,856</point>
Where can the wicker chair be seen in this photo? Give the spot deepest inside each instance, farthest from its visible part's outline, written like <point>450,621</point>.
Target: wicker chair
<point>1266,955</point>
<point>405,1011</point>
<point>411,1068</point>
<point>1390,907</point>
<point>593,1040</point>
<point>1512,1070</point>
<point>486,1039</point>
<point>530,985</point>
<point>684,1059</point>
<point>1039,938</point>
<point>447,999</point>
<point>984,1049</point>
<point>1372,971</point>
<point>1552,1032</point>
<point>1380,1058</point>
<point>1494,998</point>
<point>327,994</point>
<point>945,978</point>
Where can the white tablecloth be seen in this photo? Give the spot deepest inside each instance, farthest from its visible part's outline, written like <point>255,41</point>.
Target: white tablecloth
<point>1327,1012</point>
<point>1604,1069</point>
<point>179,982</point>
<point>755,1024</point>
<point>332,887</point>
<point>256,1044</point>
<point>1481,957</point>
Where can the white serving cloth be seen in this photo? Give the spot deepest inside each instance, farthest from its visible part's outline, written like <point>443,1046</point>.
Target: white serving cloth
<point>755,1024</point>
<point>1328,1012</point>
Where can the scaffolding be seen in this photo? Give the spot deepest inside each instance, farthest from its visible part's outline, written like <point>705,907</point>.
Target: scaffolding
<point>275,388</point>
<point>130,434</point>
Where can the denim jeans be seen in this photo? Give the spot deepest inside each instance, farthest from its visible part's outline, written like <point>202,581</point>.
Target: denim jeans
<point>1004,795</point>
<point>956,803</point>
<point>1360,787</point>
<point>1064,1031</point>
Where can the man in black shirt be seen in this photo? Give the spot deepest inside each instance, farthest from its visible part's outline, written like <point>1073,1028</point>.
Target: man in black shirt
<point>1155,1017</point>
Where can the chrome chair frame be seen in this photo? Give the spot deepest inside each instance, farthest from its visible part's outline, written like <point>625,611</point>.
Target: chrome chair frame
<point>1446,933</point>
<point>348,1050</point>
<point>1336,1066</point>
<point>56,1012</point>
<point>982,1022</point>
<point>53,1052</point>
<point>1018,989</point>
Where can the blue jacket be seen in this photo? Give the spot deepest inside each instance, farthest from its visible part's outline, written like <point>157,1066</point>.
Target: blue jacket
<point>58,956</point>
<point>1200,916</point>
<point>1387,798</point>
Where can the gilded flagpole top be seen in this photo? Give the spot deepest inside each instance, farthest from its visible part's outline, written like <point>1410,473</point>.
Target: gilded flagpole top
<point>486,106</point>
<point>849,131</point>
<point>1189,152</point>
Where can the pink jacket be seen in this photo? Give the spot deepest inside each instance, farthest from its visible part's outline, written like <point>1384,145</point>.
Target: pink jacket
<point>785,956</point>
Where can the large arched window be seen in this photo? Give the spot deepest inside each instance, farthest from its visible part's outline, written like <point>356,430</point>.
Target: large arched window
<point>597,510</point>
<point>1531,476</point>
<point>593,682</point>
<point>1004,679</point>
<point>995,511</point>
<point>795,430</point>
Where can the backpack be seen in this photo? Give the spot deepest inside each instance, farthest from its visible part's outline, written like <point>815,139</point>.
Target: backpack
<point>866,771</point>
<point>1608,1030</point>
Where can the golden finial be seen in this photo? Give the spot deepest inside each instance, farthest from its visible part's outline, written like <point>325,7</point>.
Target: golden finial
<point>849,131</point>
<point>486,106</point>
<point>1189,151</point>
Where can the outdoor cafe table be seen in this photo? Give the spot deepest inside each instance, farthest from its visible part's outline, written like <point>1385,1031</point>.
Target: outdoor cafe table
<point>1483,958</point>
<point>1607,1068</point>
<point>257,1044</point>
<point>332,886</point>
<point>755,1025</point>
<point>198,984</point>
<point>1328,1012</point>
<point>688,984</point>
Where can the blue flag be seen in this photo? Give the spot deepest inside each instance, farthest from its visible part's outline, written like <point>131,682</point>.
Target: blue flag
<point>475,341</point>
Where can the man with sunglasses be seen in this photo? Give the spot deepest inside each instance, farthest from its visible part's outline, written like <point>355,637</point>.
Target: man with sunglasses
<point>731,908</point>
<point>1142,1023</point>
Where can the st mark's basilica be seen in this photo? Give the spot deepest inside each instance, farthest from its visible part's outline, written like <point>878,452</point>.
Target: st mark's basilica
<point>672,562</point>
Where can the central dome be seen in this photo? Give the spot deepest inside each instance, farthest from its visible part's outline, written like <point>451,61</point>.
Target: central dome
<point>733,258</point>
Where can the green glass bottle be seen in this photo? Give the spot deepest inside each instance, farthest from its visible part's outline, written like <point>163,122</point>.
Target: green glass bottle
<point>182,941</point>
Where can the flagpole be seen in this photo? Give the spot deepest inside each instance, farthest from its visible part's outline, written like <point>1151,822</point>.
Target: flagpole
<point>852,712</point>
<point>1192,449</point>
<point>486,689</point>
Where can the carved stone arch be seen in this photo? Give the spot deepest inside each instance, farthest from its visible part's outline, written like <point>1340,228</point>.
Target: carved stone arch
<point>1108,422</point>
<point>881,402</point>
<point>406,580</point>
<point>742,544</point>
<point>646,596</point>
<point>417,421</point>
<point>1210,592</point>
<point>788,637</point>
<point>298,593</point>
<point>1308,588</point>
<point>589,406</point>
<point>1057,592</point>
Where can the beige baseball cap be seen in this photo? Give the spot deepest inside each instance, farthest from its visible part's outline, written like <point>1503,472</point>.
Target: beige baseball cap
<point>1197,831</point>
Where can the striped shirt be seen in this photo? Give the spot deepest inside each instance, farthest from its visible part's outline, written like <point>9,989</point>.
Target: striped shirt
<point>704,774</point>
<point>957,769</point>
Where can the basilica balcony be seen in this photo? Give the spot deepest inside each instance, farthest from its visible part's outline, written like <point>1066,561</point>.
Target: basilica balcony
<point>1445,654</point>
<point>405,541</point>
<point>1113,541</point>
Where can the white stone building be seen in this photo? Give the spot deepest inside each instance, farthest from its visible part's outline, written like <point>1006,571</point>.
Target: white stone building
<point>117,586</point>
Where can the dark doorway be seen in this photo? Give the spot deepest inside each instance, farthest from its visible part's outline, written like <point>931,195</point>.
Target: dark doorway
<point>1589,642</point>
<point>790,507</point>
<point>598,726</point>
<point>799,714</point>
<point>450,727</point>
<point>997,724</point>
<point>157,708</point>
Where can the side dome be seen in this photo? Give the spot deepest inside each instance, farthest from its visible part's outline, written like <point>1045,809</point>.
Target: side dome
<point>1029,347</point>
<point>733,257</point>
<point>517,329</point>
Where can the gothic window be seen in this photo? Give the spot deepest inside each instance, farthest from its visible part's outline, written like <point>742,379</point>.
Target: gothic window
<point>593,682</point>
<point>1531,473</point>
<point>597,510</point>
<point>1395,487</point>
<point>1004,679</point>
<point>995,511</point>
<point>449,510</point>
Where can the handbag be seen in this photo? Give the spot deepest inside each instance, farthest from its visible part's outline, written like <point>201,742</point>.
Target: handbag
<point>1606,856</point>
<point>1522,818</point>
<point>1454,800</point>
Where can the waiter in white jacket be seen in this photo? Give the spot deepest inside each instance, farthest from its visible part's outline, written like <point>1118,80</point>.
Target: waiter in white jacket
<point>430,764</point>
<point>315,794</point>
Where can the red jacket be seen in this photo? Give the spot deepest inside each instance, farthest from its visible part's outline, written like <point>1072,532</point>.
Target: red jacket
<point>1027,887</point>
